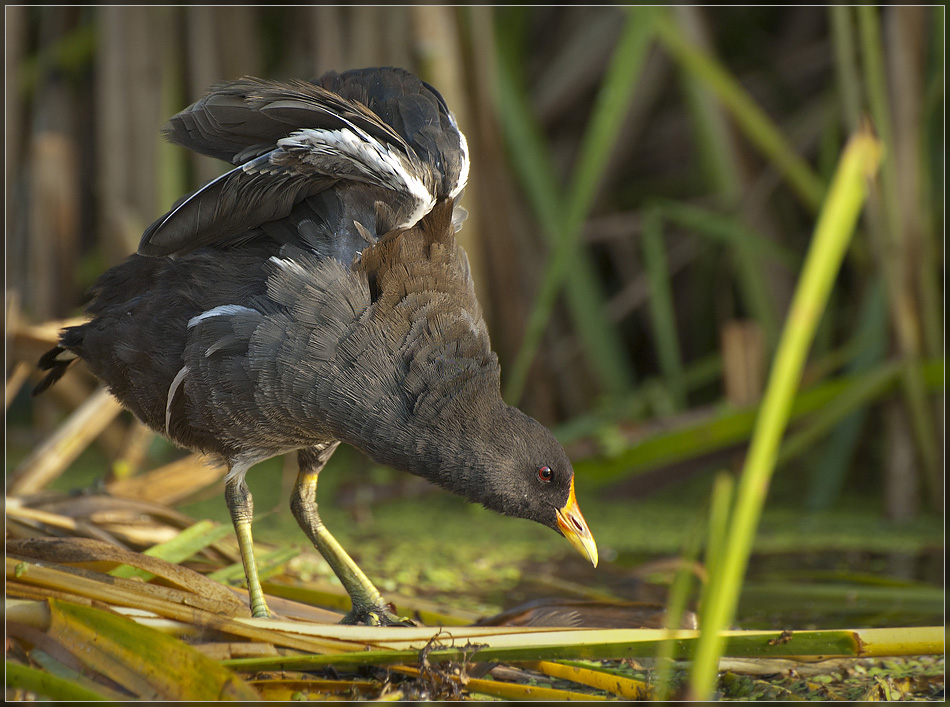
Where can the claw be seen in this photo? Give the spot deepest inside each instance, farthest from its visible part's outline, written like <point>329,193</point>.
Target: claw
<point>375,616</point>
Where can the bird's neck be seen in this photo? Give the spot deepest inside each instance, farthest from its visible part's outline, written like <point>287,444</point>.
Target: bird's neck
<point>450,442</point>
<point>460,448</point>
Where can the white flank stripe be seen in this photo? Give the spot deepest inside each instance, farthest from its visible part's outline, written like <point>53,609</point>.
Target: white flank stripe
<point>172,389</point>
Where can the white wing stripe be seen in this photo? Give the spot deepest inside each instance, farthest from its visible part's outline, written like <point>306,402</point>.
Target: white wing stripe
<point>373,158</point>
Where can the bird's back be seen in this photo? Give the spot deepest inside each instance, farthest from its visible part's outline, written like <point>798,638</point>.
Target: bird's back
<point>287,300</point>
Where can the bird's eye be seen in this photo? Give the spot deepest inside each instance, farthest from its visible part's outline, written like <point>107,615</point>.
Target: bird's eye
<point>545,473</point>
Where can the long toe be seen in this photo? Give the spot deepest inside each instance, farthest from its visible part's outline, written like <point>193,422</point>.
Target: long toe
<point>376,616</point>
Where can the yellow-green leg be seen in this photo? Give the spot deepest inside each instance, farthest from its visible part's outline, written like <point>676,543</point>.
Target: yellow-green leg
<point>241,506</point>
<point>368,606</point>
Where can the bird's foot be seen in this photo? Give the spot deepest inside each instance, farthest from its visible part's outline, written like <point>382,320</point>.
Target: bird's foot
<point>376,615</point>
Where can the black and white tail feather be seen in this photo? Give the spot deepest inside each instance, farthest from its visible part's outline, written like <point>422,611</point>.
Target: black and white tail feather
<point>292,140</point>
<point>57,360</point>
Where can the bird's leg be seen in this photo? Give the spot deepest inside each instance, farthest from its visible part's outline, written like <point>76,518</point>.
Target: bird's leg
<point>368,606</point>
<point>241,506</point>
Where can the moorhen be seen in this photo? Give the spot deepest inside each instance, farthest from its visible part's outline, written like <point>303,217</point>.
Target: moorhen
<point>315,294</point>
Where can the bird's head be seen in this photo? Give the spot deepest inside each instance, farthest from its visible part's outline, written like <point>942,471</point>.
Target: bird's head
<point>530,476</point>
<point>468,441</point>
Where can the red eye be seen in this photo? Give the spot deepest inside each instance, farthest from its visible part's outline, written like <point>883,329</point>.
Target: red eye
<point>545,473</point>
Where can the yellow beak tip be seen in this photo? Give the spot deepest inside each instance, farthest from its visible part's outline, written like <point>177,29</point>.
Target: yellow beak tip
<point>573,527</point>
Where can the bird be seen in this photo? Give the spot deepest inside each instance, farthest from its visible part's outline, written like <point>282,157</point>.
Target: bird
<point>315,294</point>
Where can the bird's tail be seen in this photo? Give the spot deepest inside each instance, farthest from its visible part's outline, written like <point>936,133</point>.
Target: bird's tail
<point>59,358</point>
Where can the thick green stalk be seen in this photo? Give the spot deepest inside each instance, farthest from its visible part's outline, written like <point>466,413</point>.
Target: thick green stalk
<point>602,644</point>
<point>833,232</point>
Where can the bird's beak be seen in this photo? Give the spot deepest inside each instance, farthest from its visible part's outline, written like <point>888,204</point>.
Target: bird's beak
<point>574,528</point>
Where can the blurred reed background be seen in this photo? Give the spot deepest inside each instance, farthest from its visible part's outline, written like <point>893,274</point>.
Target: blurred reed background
<point>644,188</point>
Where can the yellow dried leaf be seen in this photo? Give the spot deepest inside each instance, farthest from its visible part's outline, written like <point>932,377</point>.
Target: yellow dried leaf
<point>599,679</point>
